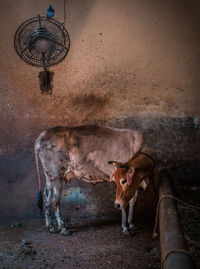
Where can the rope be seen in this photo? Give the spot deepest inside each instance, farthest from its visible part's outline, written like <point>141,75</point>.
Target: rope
<point>155,234</point>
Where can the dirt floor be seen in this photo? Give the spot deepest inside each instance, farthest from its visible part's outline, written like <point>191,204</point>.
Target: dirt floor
<point>94,243</point>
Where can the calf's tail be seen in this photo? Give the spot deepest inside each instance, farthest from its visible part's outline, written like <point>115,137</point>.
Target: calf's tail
<point>39,195</point>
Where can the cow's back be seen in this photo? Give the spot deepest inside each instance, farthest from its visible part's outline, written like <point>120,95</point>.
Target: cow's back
<point>88,147</point>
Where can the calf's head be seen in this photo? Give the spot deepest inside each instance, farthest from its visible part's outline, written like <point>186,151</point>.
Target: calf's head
<point>130,176</point>
<point>127,181</point>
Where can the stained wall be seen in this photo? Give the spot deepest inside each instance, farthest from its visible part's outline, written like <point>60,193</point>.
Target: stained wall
<point>132,63</point>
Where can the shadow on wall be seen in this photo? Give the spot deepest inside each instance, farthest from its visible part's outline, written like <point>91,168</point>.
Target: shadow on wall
<point>89,105</point>
<point>18,184</point>
<point>171,140</point>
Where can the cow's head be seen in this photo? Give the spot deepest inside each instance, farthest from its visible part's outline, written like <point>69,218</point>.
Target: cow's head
<point>127,181</point>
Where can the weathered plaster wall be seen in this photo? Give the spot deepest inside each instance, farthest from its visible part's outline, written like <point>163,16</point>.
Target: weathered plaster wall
<point>132,63</point>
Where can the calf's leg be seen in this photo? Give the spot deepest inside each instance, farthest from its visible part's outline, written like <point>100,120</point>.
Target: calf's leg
<point>130,212</point>
<point>127,217</point>
<point>124,220</point>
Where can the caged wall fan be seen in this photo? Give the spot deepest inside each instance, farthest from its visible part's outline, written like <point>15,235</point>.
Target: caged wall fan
<point>43,42</point>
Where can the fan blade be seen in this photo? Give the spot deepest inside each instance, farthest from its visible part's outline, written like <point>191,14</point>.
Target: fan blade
<point>23,51</point>
<point>39,19</point>
<point>43,59</point>
<point>61,45</point>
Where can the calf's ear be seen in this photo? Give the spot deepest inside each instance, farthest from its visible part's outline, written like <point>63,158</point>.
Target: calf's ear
<point>129,175</point>
<point>115,163</point>
<point>123,165</point>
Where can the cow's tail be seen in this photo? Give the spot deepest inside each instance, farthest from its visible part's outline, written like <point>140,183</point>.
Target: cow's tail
<point>39,195</point>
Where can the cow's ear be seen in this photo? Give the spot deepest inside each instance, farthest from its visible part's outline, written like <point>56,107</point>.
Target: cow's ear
<point>129,175</point>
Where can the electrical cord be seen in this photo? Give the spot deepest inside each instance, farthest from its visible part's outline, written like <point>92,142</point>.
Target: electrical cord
<point>64,13</point>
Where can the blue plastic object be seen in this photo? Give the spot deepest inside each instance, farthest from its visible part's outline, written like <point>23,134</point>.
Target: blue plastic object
<point>50,12</point>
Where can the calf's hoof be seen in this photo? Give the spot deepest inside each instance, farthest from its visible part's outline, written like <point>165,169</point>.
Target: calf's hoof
<point>128,233</point>
<point>133,228</point>
<point>53,230</point>
<point>65,232</point>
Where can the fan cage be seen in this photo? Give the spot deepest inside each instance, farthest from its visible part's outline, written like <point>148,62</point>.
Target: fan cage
<point>42,42</point>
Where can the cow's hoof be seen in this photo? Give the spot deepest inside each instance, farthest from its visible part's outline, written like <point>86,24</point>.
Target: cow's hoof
<point>133,228</point>
<point>128,233</point>
<point>65,232</point>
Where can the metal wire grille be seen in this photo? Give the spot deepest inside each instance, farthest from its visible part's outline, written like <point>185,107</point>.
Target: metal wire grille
<point>42,42</point>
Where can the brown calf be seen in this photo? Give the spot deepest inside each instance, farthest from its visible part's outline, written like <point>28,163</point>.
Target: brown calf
<point>128,178</point>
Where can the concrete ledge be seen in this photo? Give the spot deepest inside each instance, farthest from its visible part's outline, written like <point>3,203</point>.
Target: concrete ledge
<point>174,252</point>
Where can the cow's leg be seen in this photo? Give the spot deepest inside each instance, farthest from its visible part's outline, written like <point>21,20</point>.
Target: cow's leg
<point>57,189</point>
<point>47,204</point>
<point>130,212</point>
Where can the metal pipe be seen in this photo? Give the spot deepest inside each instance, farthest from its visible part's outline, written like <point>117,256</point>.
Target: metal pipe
<point>172,241</point>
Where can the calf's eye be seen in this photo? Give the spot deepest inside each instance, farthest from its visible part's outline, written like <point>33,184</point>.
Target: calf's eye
<point>124,181</point>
